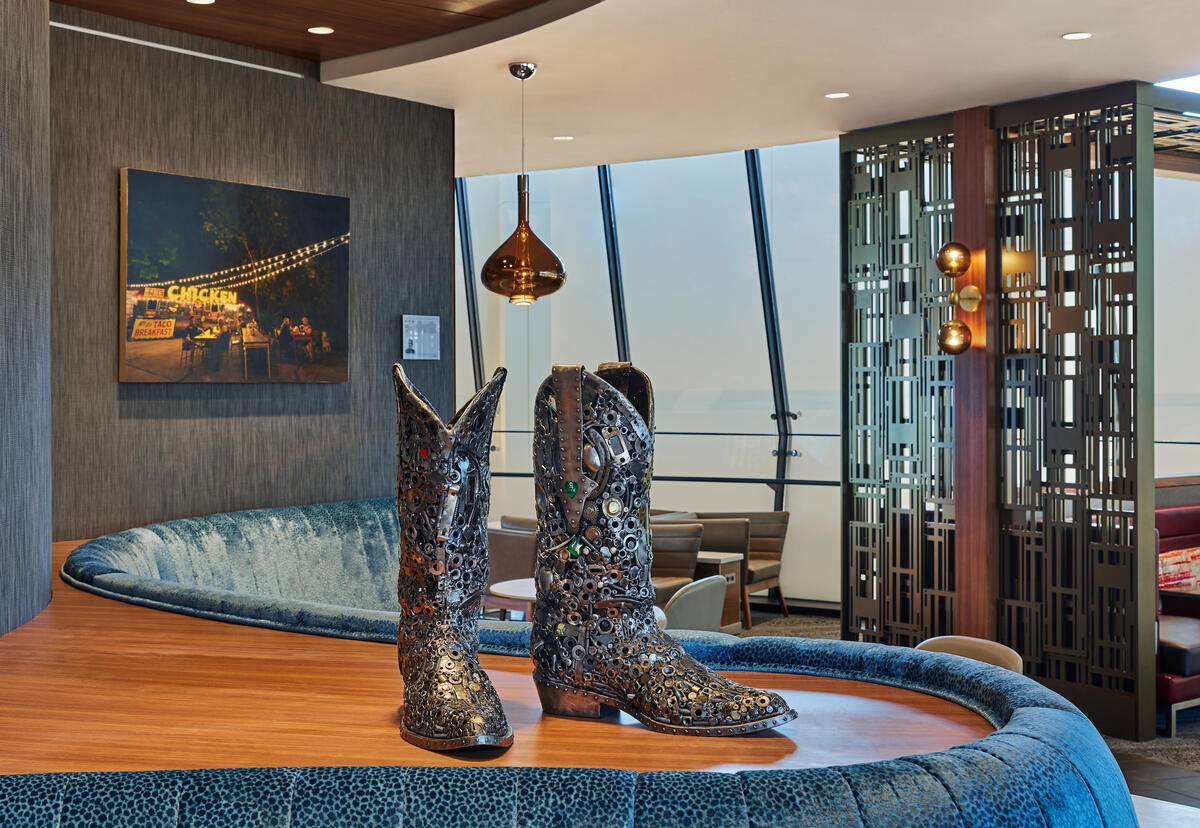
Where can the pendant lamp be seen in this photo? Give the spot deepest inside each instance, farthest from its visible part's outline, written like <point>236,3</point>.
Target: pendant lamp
<point>523,268</point>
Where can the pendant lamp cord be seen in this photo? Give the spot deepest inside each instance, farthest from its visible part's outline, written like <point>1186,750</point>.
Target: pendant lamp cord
<point>522,126</point>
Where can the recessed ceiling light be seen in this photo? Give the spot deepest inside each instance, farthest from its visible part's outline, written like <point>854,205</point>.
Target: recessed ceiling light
<point>320,30</point>
<point>1077,36</point>
<point>564,137</point>
<point>201,2</point>
<point>833,95</point>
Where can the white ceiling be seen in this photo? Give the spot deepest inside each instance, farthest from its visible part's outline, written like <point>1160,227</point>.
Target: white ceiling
<point>640,79</point>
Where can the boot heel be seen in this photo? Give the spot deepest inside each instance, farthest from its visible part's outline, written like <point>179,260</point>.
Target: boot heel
<point>559,702</point>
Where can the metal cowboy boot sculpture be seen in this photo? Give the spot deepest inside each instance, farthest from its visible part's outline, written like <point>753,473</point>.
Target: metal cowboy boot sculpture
<point>442,488</point>
<point>595,641</point>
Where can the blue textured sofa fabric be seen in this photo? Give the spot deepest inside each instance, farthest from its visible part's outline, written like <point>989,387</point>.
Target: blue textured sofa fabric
<point>967,786</point>
<point>331,569</point>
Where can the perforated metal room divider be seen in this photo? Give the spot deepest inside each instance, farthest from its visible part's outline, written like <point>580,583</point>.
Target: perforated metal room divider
<point>1074,399</point>
<point>1076,413</point>
<point>898,415</point>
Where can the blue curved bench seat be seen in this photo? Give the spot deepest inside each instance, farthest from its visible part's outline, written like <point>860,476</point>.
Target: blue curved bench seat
<point>1045,765</point>
<point>328,569</point>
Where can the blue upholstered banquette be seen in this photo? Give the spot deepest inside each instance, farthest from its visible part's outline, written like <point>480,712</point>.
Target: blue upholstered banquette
<point>331,569</point>
<point>328,569</point>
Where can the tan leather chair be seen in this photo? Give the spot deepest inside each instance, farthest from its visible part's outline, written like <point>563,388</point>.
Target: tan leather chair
<point>980,649</point>
<point>720,535</point>
<point>511,554</point>
<point>697,606</point>
<point>521,524</point>
<point>676,546</point>
<point>768,530</point>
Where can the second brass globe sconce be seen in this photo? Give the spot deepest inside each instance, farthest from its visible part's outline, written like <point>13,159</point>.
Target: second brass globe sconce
<point>954,337</point>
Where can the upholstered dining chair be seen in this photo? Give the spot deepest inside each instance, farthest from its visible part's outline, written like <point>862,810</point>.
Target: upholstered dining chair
<point>697,606</point>
<point>729,535</point>
<point>768,530</point>
<point>511,555</point>
<point>980,649</point>
<point>676,546</point>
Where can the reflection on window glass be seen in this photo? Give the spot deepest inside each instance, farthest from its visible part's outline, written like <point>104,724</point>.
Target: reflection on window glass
<point>801,189</point>
<point>1176,379</point>
<point>800,183</point>
<point>691,290</point>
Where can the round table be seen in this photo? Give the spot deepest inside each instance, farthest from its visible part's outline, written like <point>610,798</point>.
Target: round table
<point>523,589</point>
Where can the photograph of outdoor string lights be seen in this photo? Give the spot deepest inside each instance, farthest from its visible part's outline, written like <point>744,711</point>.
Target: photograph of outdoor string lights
<point>228,282</point>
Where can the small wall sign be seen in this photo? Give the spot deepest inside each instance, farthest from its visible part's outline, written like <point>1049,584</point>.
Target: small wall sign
<point>422,337</point>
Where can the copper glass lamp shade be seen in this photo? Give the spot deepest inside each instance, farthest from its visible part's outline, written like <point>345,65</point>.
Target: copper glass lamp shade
<point>953,259</point>
<point>523,268</point>
<point>954,337</point>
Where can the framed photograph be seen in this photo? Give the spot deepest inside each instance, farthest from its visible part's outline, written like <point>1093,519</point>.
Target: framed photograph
<point>227,282</point>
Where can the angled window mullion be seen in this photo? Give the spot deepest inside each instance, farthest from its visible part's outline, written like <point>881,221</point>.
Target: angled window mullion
<point>616,285</point>
<point>766,282</point>
<point>468,265</point>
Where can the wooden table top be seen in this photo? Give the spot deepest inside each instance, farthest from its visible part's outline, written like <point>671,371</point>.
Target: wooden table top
<point>97,684</point>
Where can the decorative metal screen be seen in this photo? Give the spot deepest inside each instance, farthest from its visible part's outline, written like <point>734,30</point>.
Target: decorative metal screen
<point>899,504</point>
<point>1074,410</point>
<point>1068,482</point>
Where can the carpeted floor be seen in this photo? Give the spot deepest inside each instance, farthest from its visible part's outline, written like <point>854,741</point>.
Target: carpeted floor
<point>796,625</point>
<point>1182,752</point>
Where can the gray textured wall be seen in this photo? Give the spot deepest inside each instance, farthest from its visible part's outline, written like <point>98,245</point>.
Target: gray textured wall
<point>129,454</point>
<point>24,312</point>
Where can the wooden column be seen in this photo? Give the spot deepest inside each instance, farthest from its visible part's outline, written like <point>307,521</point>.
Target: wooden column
<point>976,476</point>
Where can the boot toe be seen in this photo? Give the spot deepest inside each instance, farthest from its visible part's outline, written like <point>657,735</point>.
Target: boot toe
<point>761,706</point>
<point>457,710</point>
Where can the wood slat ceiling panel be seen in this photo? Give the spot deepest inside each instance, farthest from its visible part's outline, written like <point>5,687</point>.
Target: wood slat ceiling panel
<point>1177,142</point>
<point>281,25</point>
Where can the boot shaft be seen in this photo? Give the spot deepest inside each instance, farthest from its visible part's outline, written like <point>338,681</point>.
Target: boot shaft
<point>443,481</point>
<point>593,456</point>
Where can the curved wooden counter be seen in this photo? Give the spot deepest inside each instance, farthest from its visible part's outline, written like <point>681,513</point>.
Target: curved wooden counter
<point>96,684</point>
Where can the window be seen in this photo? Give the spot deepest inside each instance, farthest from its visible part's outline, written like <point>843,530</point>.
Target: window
<point>1176,379</point>
<point>694,312</point>
<point>574,325</point>
<point>801,189</point>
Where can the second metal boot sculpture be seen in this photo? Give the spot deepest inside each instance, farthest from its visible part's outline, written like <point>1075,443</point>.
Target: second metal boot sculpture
<point>442,488</point>
<point>595,641</point>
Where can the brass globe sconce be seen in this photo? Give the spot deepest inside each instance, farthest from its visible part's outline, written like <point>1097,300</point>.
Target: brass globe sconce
<point>954,336</point>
